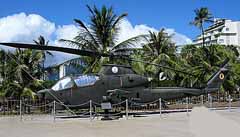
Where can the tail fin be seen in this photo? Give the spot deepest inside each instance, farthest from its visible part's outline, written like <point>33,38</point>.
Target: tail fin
<point>216,80</point>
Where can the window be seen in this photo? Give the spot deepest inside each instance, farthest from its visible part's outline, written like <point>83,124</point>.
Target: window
<point>227,29</point>
<point>85,80</point>
<point>221,40</point>
<point>63,84</point>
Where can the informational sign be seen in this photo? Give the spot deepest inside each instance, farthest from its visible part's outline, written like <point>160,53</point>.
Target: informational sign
<point>106,105</point>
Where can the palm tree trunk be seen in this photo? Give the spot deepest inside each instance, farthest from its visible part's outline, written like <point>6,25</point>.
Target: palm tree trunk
<point>203,43</point>
<point>43,68</point>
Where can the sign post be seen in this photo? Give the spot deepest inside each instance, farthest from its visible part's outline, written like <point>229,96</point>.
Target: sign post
<point>106,106</point>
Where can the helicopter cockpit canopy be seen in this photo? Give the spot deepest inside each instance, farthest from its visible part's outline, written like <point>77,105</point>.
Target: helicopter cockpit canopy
<point>85,80</point>
<point>64,83</point>
<point>79,81</point>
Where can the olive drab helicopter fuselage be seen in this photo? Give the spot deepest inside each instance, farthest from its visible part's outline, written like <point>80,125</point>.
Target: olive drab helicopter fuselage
<point>116,83</point>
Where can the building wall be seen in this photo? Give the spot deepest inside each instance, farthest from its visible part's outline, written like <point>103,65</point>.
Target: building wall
<point>238,27</point>
<point>71,67</point>
<point>62,71</point>
<point>231,31</point>
<point>227,33</point>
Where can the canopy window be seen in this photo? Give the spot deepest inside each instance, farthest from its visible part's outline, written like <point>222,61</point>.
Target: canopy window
<point>85,80</point>
<point>63,84</point>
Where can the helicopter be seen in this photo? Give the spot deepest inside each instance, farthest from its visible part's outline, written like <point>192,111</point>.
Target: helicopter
<point>116,83</point>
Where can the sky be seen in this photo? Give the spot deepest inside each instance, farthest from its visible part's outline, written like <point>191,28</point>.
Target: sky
<point>25,20</point>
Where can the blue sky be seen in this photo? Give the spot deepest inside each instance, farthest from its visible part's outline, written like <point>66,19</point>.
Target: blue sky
<point>174,14</point>
<point>25,20</point>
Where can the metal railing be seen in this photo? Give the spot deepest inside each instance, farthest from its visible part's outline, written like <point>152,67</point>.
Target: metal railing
<point>27,109</point>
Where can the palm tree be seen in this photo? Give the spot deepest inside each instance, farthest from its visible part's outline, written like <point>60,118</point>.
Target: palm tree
<point>202,16</point>
<point>101,35</point>
<point>42,42</point>
<point>198,64</point>
<point>160,43</point>
<point>205,67</point>
<point>20,64</point>
<point>21,70</point>
<point>159,50</point>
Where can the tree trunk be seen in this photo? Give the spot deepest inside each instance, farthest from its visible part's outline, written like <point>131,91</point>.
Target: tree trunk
<point>43,68</point>
<point>203,38</point>
<point>203,42</point>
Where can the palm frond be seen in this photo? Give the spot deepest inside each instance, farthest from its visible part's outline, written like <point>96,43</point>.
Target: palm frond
<point>74,44</point>
<point>129,43</point>
<point>81,24</point>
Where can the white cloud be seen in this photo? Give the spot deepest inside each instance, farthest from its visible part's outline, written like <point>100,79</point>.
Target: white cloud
<point>66,32</point>
<point>127,31</point>
<point>24,28</point>
<point>178,38</point>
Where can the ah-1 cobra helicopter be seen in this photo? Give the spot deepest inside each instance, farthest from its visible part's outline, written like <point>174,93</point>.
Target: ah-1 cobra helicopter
<point>117,82</point>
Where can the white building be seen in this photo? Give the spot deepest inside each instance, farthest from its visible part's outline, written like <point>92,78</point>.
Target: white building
<point>58,71</point>
<point>223,31</point>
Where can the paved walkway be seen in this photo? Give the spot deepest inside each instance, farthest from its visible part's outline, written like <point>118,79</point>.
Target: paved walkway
<point>170,125</point>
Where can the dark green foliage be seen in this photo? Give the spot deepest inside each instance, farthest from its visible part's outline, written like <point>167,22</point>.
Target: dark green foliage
<point>205,65</point>
<point>159,50</point>
<point>20,73</point>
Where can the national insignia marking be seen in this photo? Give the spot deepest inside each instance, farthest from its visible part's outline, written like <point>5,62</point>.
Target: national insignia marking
<point>221,76</point>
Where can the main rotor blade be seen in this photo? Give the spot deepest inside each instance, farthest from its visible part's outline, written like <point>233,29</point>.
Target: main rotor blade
<point>54,48</point>
<point>84,53</point>
<point>165,67</point>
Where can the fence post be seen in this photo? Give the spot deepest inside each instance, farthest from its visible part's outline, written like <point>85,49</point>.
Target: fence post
<point>54,111</point>
<point>210,101</point>
<point>20,109</point>
<point>208,98</point>
<point>229,102</point>
<point>90,109</point>
<point>202,100</point>
<point>160,107</point>
<point>8,107</point>
<point>187,105</point>
<point>126,108</point>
